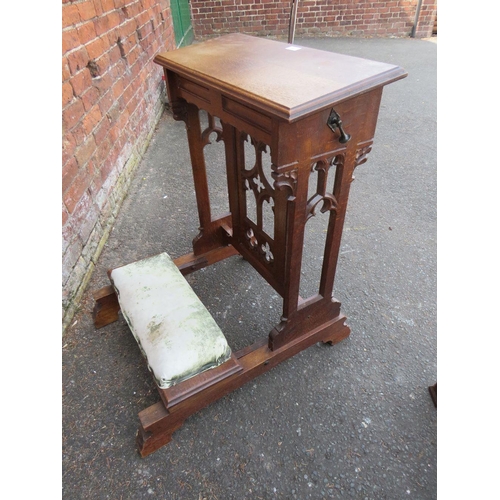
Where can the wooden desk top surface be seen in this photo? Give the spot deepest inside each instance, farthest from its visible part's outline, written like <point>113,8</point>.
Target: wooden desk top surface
<point>275,77</point>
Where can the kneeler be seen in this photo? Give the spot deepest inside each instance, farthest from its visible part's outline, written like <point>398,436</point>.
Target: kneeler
<point>186,352</point>
<point>313,112</point>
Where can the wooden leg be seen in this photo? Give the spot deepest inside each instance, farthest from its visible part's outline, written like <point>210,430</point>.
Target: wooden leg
<point>157,423</point>
<point>106,306</point>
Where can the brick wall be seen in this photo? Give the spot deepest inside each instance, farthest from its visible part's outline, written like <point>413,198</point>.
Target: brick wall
<point>111,101</point>
<point>426,19</point>
<point>314,17</point>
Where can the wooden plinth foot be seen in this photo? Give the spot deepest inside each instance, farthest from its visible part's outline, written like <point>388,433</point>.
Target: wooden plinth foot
<point>337,335</point>
<point>155,429</point>
<point>316,313</point>
<point>433,390</point>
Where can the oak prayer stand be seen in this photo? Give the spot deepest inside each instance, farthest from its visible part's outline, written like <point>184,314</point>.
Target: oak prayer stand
<point>314,111</point>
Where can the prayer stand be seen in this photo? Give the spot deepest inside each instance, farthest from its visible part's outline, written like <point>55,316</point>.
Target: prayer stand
<point>314,111</point>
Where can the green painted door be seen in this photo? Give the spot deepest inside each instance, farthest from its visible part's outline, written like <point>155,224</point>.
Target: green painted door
<point>181,17</point>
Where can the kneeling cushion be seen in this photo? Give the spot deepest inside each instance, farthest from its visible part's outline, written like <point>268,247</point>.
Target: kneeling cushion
<point>174,330</point>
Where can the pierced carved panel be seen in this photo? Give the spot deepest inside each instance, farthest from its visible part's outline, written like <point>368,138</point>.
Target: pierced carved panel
<point>286,180</point>
<point>321,202</point>
<point>213,151</point>
<point>259,199</point>
<point>323,199</point>
<point>213,126</point>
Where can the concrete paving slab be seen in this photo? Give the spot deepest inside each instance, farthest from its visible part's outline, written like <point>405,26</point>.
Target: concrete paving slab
<point>350,421</point>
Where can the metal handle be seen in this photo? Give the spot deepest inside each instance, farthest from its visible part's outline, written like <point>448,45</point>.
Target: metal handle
<point>334,122</point>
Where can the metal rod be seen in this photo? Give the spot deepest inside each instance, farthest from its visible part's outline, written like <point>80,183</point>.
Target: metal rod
<point>417,15</point>
<point>293,20</point>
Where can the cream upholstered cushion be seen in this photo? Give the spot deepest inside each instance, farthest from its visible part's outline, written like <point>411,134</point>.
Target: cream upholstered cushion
<point>174,330</point>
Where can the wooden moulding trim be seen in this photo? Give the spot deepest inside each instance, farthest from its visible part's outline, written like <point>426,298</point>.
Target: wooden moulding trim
<point>361,87</point>
<point>194,89</point>
<point>192,386</point>
<point>247,114</point>
<point>273,109</point>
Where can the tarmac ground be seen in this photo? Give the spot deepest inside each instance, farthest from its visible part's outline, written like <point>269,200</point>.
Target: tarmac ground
<point>354,420</point>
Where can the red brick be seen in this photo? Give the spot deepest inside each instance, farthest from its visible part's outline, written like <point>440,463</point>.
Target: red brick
<point>70,15</point>
<point>65,69</point>
<point>101,131</point>
<point>72,114</point>
<point>117,88</point>
<point>105,169</point>
<point>84,216</point>
<point>114,19</point>
<point>96,47</point>
<point>67,94</point>
<point>81,81</point>
<point>70,171</point>
<point>87,10</point>
<point>86,32</point>
<point>105,102</point>
<point>78,133</point>
<point>132,103</point>
<point>134,54</point>
<point>107,5</point>
<point>68,147</point>
<point>65,216</point>
<point>76,190</point>
<point>98,7</point>
<point>85,151</point>
<point>70,40</point>
<point>91,119</point>
<point>117,129</point>
<point>132,10</point>
<point>99,67</point>
<point>126,29</point>
<point>90,98</point>
<point>101,25</point>
<point>102,152</point>
<point>78,60</point>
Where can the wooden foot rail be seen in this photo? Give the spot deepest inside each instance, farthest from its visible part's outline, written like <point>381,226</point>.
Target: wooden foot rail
<point>158,423</point>
<point>106,304</point>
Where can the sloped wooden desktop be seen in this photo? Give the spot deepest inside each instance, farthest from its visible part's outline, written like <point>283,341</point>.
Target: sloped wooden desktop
<point>314,111</point>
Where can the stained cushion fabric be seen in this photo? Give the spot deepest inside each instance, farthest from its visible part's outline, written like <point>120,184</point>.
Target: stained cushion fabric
<point>174,330</point>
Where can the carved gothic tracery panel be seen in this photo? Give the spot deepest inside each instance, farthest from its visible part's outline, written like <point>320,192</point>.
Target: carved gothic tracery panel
<point>213,125</point>
<point>322,196</point>
<point>259,198</point>
<point>212,145</point>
